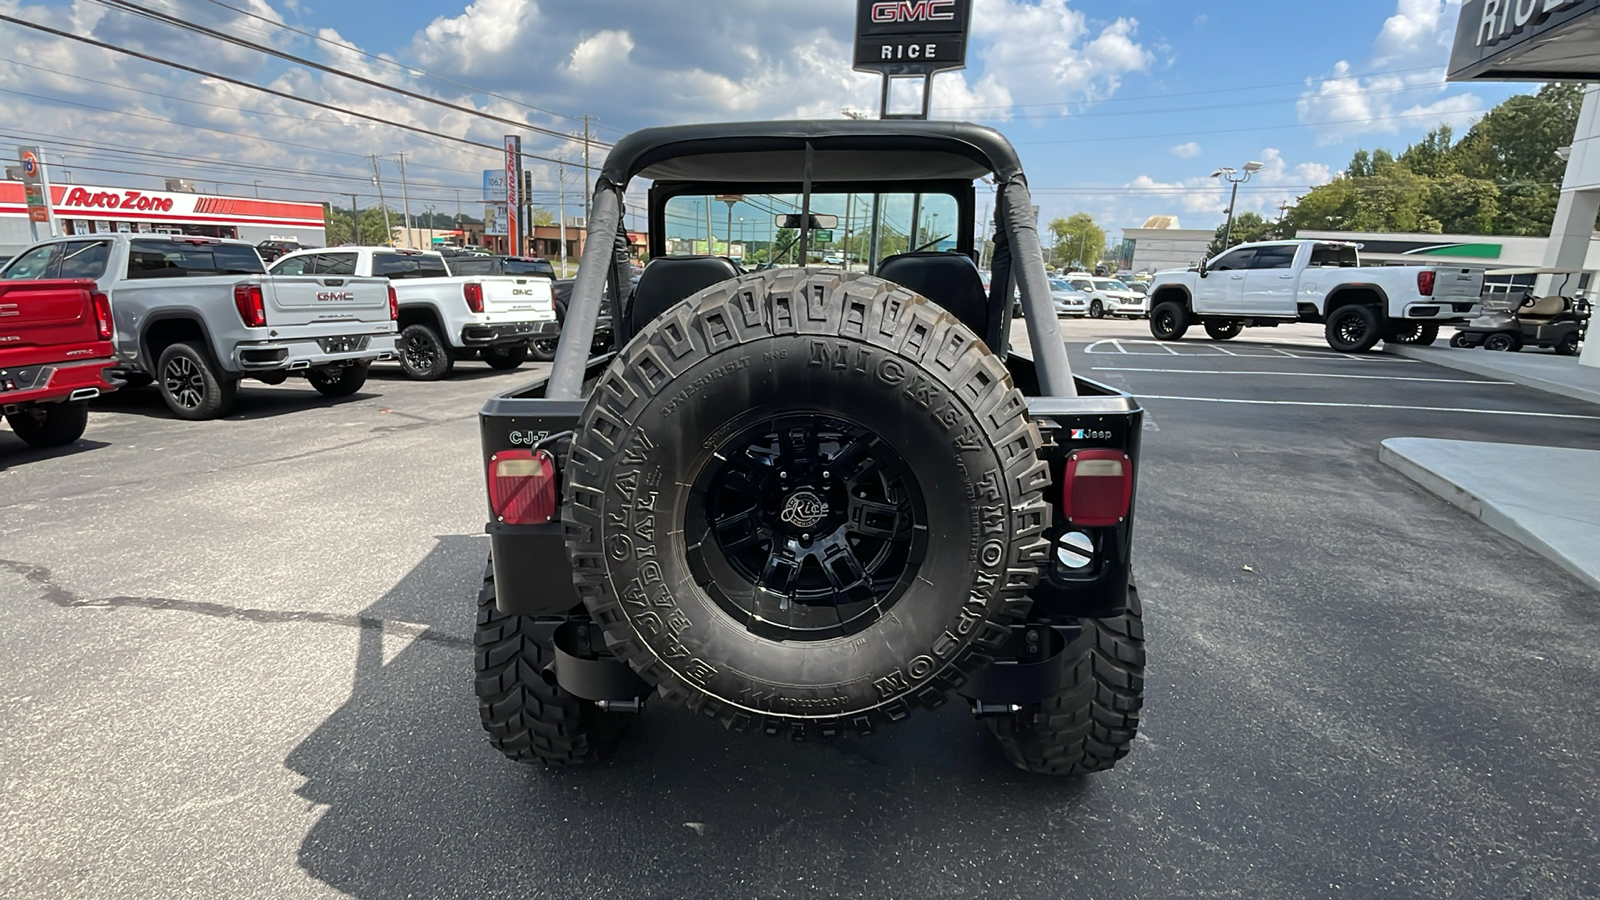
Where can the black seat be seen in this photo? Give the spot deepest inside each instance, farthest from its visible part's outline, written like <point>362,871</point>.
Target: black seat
<point>948,279</point>
<point>669,280</point>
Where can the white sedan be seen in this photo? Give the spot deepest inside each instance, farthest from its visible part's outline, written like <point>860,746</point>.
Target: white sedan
<point>1068,300</point>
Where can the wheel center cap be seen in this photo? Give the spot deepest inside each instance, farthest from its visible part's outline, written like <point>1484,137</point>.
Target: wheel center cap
<point>804,509</point>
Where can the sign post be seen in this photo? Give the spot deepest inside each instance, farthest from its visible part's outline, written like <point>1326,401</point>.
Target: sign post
<point>911,39</point>
<point>514,223</point>
<point>36,188</point>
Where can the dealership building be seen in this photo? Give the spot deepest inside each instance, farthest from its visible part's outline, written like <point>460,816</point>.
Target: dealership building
<point>85,209</point>
<point>1536,41</point>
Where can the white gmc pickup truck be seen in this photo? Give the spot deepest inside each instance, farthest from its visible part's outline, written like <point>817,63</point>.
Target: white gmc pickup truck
<point>444,317</point>
<point>1267,284</point>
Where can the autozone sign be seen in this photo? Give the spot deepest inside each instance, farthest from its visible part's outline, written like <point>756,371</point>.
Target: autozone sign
<point>912,37</point>
<point>139,201</point>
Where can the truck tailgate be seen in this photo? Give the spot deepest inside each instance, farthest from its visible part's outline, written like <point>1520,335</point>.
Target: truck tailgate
<point>1457,284</point>
<point>515,298</point>
<point>318,299</point>
<point>52,318</point>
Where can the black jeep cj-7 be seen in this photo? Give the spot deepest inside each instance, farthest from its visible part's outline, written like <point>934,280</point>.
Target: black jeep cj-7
<point>807,500</point>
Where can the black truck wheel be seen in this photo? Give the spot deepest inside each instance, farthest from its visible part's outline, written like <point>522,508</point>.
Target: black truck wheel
<point>805,501</point>
<point>505,358</point>
<point>1353,329</point>
<point>1169,321</point>
<point>191,386</point>
<point>544,349</point>
<point>1092,723</point>
<point>50,424</point>
<point>1224,330</point>
<point>339,381</point>
<point>528,718</point>
<point>423,354</point>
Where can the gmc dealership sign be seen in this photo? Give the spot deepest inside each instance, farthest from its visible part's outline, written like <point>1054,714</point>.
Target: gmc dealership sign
<point>1527,40</point>
<point>912,37</point>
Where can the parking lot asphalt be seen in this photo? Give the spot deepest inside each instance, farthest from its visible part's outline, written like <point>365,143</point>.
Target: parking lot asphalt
<point>237,662</point>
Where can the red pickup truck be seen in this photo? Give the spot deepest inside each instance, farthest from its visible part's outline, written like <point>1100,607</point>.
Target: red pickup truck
<point>55,348</point>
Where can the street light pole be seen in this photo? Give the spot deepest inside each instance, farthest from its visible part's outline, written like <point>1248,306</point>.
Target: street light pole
<point>1236,178</point>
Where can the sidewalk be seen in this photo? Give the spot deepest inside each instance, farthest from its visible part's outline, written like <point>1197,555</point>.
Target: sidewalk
<point>1536,369</point>
<point>1546,498</point>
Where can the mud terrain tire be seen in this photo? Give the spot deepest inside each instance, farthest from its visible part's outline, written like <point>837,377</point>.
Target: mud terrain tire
<point>527,718</point>
<point>1092,723</point>
<point>785,418</point>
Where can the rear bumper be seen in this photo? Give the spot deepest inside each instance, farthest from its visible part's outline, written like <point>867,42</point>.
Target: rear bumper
<point>507,333</point>
<point>309,352</point>
<point>55,383</point>
<point>1443,310</point>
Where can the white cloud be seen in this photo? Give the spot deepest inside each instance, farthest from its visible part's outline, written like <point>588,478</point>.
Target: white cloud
<point>1204,201</point>
<point>1186,151</point>
<point>1417,37</point>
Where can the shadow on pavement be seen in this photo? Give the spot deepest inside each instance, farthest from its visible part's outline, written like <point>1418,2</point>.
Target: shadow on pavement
<point>418,804</point>
<point>256,401</point>
<point>13,452</point>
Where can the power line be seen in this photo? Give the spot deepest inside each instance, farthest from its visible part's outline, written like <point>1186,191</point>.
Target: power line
<point>397,64</point>
<point>154,15</point>
<point>255,87</point>
<point>1140,137</point>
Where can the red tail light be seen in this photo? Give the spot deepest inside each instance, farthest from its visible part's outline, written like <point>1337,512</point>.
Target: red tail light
<point>394,305</point>
<point>252,307</point>
<point>1425,283</point>
<point>474,294</point>
<point>1098,487</point>
<point>102,315</point>
<point>522,487</point>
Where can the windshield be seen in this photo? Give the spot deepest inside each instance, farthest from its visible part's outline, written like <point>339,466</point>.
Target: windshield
<point>1110,284</point>
<point>761,230</point>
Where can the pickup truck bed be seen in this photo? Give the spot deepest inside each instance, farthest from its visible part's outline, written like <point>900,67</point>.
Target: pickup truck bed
<point>55,353</point>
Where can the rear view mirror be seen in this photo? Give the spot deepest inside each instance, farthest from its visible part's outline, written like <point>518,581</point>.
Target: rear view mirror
<point>818,223</point>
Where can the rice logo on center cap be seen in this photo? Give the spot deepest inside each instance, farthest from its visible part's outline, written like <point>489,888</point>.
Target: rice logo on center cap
<point>804,509</point>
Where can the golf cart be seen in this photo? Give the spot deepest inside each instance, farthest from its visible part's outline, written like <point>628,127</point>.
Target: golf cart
<point>804,501</point>
<point>1557,321</point>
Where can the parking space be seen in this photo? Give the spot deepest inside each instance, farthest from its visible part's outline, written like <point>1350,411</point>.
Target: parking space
<point>242,656</point>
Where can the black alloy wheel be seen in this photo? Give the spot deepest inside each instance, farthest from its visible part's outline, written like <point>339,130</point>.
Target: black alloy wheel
<point>1169,321</point>
<point>1352,329</point>
<point>806,527</point>
<point>423,355</point>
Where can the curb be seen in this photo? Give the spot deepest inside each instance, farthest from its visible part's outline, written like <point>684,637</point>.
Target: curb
<point>1461,362</point>
<point>1392,453</point>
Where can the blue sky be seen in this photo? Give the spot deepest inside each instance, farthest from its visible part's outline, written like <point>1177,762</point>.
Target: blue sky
<point>1119,108</point>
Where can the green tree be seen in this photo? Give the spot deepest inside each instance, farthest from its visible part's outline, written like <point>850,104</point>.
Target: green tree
<point>1079,242</point>
<point>371,231</point>
<point>1502,177</point>
<point>1247,228</point>
<point>542,216</point>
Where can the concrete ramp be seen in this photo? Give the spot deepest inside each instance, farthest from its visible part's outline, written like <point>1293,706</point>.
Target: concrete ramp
<point>1546,498</point>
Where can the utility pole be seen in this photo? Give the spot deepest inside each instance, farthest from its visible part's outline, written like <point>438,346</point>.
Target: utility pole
<point>355,221</point>
<point>561,176</point>
<point>458,208</point>
<point>377,179</point>
<point>587,199</point>
<point>405,199</point>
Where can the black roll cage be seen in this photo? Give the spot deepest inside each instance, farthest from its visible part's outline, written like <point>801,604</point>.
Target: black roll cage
<point>845,156</point>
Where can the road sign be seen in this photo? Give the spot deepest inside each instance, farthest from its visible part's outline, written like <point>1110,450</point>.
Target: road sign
<point>912,37</point>
<point>821,237</point>
<point>35,186</point>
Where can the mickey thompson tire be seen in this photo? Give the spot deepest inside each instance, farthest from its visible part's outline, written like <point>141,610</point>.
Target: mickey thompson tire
<point>1092,723</point>
<point>777,420</point>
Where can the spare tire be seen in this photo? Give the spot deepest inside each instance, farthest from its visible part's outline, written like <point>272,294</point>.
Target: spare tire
<point>805,501</point>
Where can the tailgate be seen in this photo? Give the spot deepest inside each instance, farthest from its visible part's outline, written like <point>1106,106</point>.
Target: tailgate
<point>530,298</point>
<point>46,313</point>
<point>314,299</point>
<point>1457,284</point>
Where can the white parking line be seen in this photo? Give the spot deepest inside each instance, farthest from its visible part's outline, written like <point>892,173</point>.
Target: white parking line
<point>1299,375</point>
<point>1121,346</point>
<point>1448,409</point>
